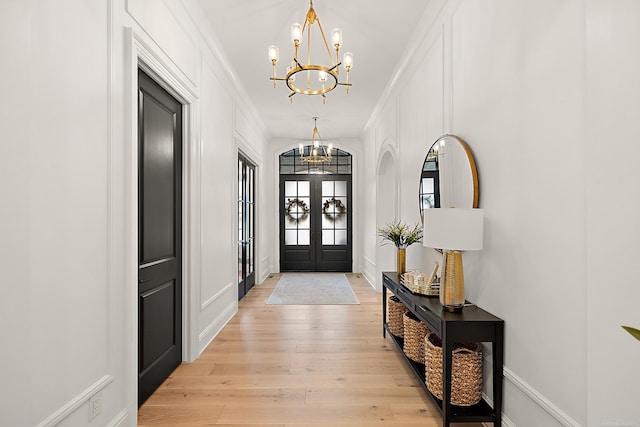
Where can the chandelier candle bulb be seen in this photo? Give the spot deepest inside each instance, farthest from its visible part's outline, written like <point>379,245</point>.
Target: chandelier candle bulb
<point>274,53</point>
<point>336,38</point>
<point>347,61</point>
<point>296,33</point>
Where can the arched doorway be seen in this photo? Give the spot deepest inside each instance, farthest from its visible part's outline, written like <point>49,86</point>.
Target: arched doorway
<point>315,212</point>
<point>386,211</point>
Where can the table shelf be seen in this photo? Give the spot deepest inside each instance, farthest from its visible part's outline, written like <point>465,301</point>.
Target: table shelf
<point>473,324</point>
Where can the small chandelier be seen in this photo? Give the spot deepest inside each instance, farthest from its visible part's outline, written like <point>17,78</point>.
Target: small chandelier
<point>325,78</point>
<point>318,151</point>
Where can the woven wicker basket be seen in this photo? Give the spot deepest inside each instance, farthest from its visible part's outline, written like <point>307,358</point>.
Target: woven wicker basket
<point>414,334</point>
<point>396,310</point>
<point>466,371</point>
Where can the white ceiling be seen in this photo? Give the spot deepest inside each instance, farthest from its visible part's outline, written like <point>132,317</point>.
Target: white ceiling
<point>376,32</point>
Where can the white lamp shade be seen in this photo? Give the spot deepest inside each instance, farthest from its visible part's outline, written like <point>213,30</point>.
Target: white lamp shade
<point>454,229</point>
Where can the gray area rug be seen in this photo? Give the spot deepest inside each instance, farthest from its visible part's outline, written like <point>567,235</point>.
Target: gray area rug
<point>313,288</point>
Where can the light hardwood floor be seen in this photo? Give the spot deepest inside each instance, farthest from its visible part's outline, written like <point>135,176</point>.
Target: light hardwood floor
<point>296,366</point>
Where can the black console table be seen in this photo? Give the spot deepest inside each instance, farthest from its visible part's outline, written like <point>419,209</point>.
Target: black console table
<point>472,324</point>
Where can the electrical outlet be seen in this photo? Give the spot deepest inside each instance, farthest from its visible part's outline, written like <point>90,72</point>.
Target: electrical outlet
<point>95,406</point>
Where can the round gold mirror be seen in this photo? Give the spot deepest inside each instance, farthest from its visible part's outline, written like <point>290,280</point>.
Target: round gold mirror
<point>449,176</point>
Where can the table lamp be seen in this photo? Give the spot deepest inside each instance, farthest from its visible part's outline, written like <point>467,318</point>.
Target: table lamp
<point>453,230</point>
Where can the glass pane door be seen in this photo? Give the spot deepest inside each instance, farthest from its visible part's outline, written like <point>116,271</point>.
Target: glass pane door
<point>246,225</point>
<point>315,223</point>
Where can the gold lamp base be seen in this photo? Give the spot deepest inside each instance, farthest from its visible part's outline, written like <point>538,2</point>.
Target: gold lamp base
<point>452,285</point>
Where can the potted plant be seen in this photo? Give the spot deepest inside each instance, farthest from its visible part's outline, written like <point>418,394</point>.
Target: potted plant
<point>402,236</point>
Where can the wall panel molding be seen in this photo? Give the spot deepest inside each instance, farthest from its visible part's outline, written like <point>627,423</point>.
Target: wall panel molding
<point>221,292</point>
<point>266,268</point>
<point>539,399</point>
<point>368,270</point>
<point>177,44</point>
<point>82,398</point>
<point>212,330</point>
<point>120,420</point>
<point>535,398</point>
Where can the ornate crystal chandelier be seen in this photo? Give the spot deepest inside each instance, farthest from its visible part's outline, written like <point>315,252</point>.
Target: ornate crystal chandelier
<point>318,151</point>
<point>316,79</point>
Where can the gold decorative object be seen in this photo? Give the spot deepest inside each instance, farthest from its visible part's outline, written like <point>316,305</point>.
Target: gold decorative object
<point>401,264</point>
<point>325,77</point>
<point>421,284</point>
<point>318,151</point>
<point>452,287</point>
<point>401,236</point>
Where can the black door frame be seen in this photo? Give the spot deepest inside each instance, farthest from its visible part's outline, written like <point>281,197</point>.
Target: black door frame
<point>246,244</point>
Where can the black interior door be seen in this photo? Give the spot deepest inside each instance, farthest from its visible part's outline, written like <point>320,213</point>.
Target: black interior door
<point>160,235</point>
<point>315,223</point>
<point>246,225</point>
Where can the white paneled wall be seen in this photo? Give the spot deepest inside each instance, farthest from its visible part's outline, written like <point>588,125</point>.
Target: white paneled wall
<point>69,325</point>
<point>613,200</point>
<point>540,91</point>
<point>54,208</point>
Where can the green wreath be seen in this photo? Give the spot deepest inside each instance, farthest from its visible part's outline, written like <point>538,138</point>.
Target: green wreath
<point>337,205</point>
<point>293,207</point>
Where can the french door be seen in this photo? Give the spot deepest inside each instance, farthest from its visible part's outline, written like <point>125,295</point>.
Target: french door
<point>315,223</point>
<point>246,225</point>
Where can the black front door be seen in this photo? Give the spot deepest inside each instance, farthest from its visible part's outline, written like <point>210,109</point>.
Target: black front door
<point>315,223</point>
<point>159,235</point>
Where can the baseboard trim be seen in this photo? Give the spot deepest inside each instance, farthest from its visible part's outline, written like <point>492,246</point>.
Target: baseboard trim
<point>536,397</point>
<point>266,269</point>
<point>218,323</point>
<point>222,291</point>
<point>366,271</point>
<point>76,402</point>
<point>539,399</point>
<point>506,422</point>
<point>120,420</point>
<point>264,276</point>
